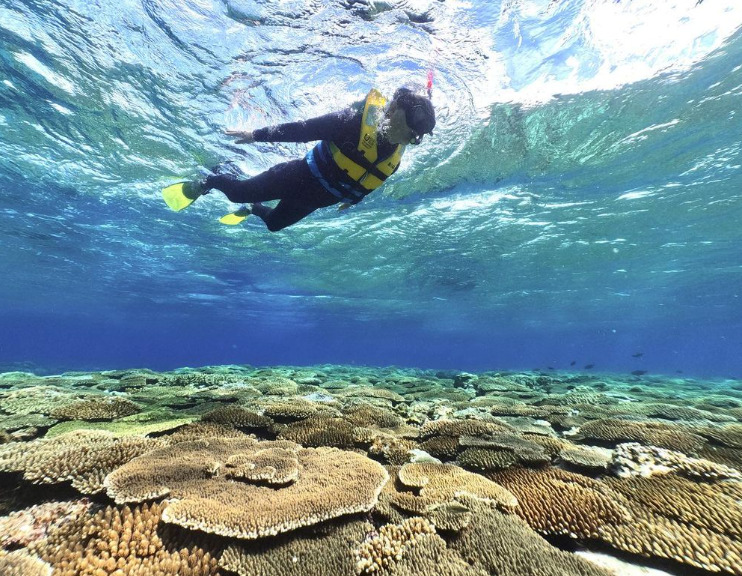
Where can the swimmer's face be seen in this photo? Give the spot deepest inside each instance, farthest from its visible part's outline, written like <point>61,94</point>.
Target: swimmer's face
<point>398,132</point>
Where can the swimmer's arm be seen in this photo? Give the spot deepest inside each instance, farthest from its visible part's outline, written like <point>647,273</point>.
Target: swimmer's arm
<point>326,127</point>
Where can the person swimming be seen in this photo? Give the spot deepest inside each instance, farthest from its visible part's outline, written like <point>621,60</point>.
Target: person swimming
<point>359,148</point>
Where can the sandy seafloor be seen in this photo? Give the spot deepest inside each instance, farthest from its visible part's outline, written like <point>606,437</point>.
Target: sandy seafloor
<point>329,470</point>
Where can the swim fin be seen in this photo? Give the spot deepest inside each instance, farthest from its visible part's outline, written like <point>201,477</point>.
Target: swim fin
<point>182,194</point>
<point>235,217</point>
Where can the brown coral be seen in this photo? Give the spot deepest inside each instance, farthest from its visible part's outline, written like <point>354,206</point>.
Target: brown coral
<point>126,542</point>
<point>83,457</point>
<point>487,460</point>
<point>503,544</point>
<point>238,417</point>
<point>21,563</point>
<point>554,501</point>
<point>329,483</point>
<point>446,447</point>
<point>325,549</point>
<point>729,435</point>
<point>712,506</point>
<point>293,410</point>
<point>426,485</point>
<point>372,417</point>
<point>671,436</point>
<point>524,451</point>
<point>321,431</point>
<point>198,430</point>
<point>586,458</point>
<point>97,408</point>
<point>675,518</point>
<point>458,428</point>
<point>392,449</point>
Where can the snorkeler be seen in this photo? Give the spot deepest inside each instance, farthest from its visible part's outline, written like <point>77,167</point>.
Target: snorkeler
<point>359,148</point>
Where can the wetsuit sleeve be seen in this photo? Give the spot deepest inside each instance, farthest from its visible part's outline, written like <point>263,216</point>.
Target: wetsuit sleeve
<point>327,127</point>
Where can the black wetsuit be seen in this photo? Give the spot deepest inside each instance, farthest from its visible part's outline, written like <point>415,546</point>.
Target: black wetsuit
<point>300,192</point>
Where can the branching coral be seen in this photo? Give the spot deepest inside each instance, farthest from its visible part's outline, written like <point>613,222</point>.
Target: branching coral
<point>389,544</point>
<point>126,542</point>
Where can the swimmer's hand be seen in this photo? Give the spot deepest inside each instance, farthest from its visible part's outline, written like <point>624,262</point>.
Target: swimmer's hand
<point>242,137</point>
<point>344,206</point>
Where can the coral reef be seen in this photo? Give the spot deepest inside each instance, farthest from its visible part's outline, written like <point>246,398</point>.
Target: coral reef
<point>420,487</point>
<point>237,469</point>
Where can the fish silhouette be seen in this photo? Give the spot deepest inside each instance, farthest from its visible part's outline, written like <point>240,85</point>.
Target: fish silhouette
<point>639,372</point>
<point>588,366</point>
<point>637,355</point>
<point>573,362</point>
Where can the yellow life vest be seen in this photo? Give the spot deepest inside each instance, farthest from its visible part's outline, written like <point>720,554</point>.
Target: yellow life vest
<point>363,165</point>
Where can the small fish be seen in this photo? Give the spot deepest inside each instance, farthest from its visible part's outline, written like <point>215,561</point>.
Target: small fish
<point>588,366</point>
<point>637,355</point>
<point>550,367</point>
<point>639,372</point>
<point>573,362</point>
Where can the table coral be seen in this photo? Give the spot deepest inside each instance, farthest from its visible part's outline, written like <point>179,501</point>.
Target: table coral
<point>670,436</point>
<point>83,457</point>
<point>422,486</point>
<point>632,459</point>
<point>329,483</point>
<point>695,524</point>
<point>97,408</point>
<point>557,502</point>
<point>325,549</point>
<point>503,544</point>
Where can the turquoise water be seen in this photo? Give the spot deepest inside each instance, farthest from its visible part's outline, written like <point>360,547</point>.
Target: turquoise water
<point>578,202</point>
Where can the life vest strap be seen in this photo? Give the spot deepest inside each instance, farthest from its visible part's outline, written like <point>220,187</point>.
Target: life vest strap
<point>341,158</point>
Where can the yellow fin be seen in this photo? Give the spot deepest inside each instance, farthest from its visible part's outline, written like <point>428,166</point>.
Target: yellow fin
<point>181,195</point>
<point>235,217</point>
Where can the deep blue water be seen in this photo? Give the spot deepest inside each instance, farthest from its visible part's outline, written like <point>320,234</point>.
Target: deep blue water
<point>579,202</point>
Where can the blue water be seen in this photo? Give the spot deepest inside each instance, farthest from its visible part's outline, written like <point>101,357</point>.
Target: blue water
<point>579,202</point>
